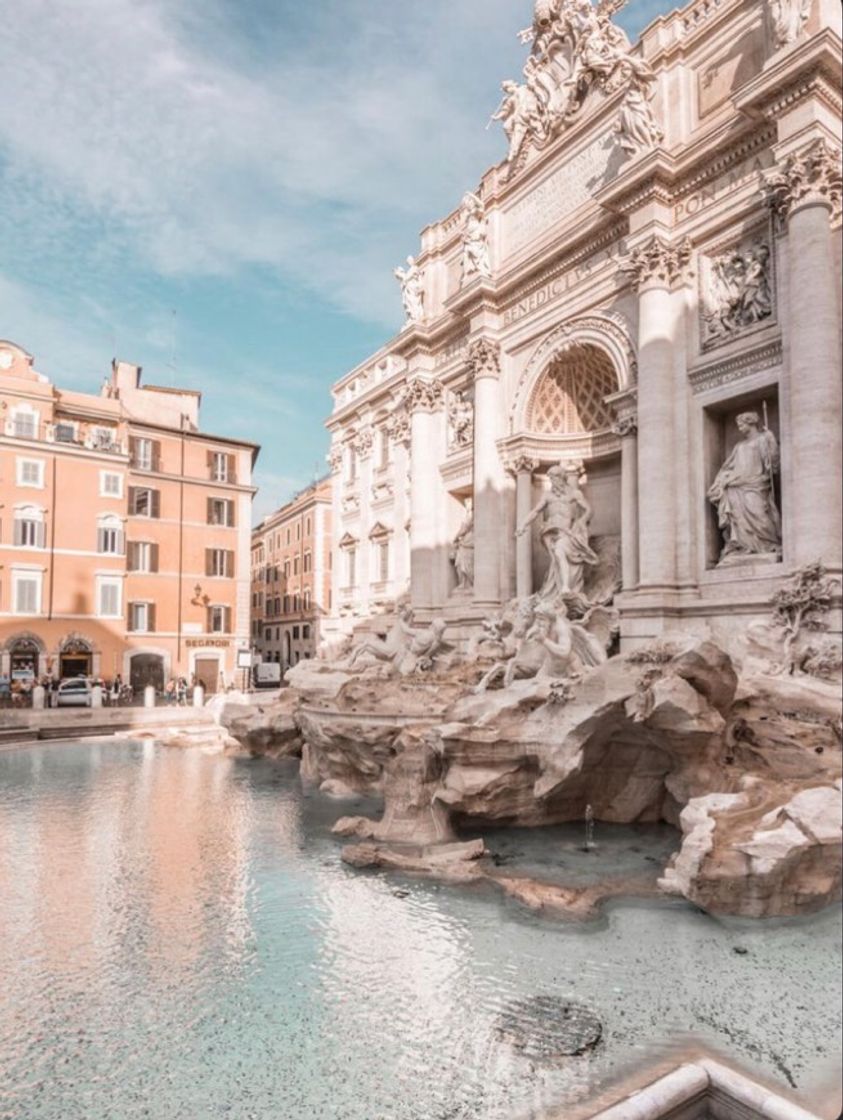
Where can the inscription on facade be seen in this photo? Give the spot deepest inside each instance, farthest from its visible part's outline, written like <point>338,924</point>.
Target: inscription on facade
<point>559,285</point>
<point>559,195</point>
<point>713,191</point>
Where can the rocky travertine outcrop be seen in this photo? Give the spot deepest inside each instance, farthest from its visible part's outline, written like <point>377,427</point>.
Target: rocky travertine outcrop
<point>264,728</point>
<point>748,768</point>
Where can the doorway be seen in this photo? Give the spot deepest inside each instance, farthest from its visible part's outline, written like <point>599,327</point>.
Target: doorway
<point>207,673</point>
<point>146,669</point>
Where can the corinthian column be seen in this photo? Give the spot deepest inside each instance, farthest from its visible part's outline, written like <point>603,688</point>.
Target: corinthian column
<point>627,430</point>
<point>484,361</point>
<point>653,268</point>
<point>523,469</point>
<point>423,400</point>
<point>805,192</point>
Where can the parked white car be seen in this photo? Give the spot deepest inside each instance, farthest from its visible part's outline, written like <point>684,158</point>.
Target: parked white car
<point>75,692</point>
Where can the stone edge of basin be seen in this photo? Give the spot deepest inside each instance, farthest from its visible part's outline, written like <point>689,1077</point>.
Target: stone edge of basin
<point>704,1083</point>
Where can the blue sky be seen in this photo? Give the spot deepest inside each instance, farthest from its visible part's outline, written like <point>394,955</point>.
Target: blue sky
<point>218,190</point>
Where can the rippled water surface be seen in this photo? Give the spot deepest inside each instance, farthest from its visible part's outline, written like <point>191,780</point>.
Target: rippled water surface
<point>179,941</point>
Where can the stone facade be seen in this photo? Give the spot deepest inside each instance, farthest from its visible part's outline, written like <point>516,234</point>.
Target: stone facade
<point>291,576</point>
<point>657,260</point>
<point>125,534</point>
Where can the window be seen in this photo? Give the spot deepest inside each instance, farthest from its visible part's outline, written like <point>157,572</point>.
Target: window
<point>103,439</point>
<point>111,484</point>
<point>26,592</point>
<point>382,550</point>
<point>109,597</point>
<point>267,637</point>
<point>286,569</point>
<point>143,556</point>
<point>298,530</point>
<point>144,502</point>
<point>307,561</point>
<point>64,432</point>
<point>219,563</point>
<point>110,537</point>
<point>142,618</point>
<point>305,632</point>
<point>351,567</point>
<point>31,473</point>
<point>307,600</point>
<point>286,604</point>
<point>384,449</point>
<point>289,536</point>
<point>25,423</point>
<point>221,512</point>
<point>295,633</point>
<point>145,453</point>
<point>219,620</point>
<point>221,467</point>
<point>351,465</point>
<point>277,606</point>
<point>30,530</point>
<point>296,566</point>
<point>307,527</point>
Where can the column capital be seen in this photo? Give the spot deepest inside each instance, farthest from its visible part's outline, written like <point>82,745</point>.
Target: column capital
<point>657,263</point>
<point>626,426</point>
<point>522,464</point>
<point>363,442</point>
<point>484,358</point>
<point>810,177</point>
<point>423,394</point>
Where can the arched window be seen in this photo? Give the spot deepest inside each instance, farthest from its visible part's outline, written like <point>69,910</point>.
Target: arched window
<point>110,536</point>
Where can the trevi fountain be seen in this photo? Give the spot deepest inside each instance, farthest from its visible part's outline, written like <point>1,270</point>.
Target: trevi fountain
<point>551,827</point>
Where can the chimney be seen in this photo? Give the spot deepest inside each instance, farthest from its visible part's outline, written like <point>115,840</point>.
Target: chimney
<point>124,376</point>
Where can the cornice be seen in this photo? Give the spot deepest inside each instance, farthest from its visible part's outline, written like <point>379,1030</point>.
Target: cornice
<point>811,68</point>
<point>652,177</point>
<point>735,367</point>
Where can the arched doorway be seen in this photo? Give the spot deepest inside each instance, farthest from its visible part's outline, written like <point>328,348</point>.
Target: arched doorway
<point>146,669</point>
<point>76,657</point>
<point>24,657</point>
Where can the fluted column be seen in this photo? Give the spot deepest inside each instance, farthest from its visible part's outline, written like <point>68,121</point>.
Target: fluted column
<point>804,192</point>
<point>399,431</point>
<point>654,267</point>
<point>523,469</point>
<point>423,400</point>
<point>363,442</point>
<point>627,429</point>
<point>484,361</point>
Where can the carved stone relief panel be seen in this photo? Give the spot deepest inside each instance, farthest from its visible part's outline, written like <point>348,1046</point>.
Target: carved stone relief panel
<point>737,289</point>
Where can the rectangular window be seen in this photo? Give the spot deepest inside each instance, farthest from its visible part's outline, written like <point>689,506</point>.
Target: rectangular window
<point>296,566</point>
<point>222,467</point>
<point>383,560</point>
<point>295,633</point>
<point>351,567</point>
<point>307,562</point>
<point>143,556</point>
<point>144,502</point>
<point>219,620</point>
<point>142,618</point>
<point>111,484</point>
<point>103,439</point>
<point>109,598</point>
<point>221,512</point>
<point>27,592</point>
<point>64,433</point>
<point>24,425</point>
<point>30,532</point>
<point>219,562</point>
<point>31,473</point>
<point>145,453</point>
<point>289,537</point>
<point>110,540</point>
<point>307,527</point>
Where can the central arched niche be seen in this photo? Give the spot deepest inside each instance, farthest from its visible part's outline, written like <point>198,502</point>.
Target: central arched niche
<point>569,397</point>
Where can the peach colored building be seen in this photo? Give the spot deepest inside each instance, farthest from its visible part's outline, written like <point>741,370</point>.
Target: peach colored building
<point>291,576</point>
<point>124,531</point>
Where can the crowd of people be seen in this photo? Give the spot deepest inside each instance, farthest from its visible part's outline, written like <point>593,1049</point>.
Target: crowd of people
<point>16,692</point>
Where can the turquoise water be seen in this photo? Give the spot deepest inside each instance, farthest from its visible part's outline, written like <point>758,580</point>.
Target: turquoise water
<point>179,941</point>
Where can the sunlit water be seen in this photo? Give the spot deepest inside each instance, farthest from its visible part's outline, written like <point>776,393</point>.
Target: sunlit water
<point>179,939</point>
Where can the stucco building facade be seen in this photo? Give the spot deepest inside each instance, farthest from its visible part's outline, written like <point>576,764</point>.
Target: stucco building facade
<point>125,531</point>
<point>648,266</point>
<point>291,577</point>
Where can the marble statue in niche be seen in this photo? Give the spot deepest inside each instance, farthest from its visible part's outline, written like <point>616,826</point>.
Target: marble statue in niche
<point>744,494</point>
<point>475,239</point>
<point>788,19</point>
<point>411,280</point>
<point>566,515</point>
<point>460,420</point>
<point>739,291</point>
<point>462,551</point>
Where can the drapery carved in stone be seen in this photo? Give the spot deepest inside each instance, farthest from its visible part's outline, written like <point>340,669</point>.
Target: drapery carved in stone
<point>423,395</point>
<point>810,176</point>
<point>475,239</point>
<point>460,420</point>
<point>658,262</point>
<point>788,19</point>
<point>737,290</point>
<point>484,358</point>
<point>569,397</point>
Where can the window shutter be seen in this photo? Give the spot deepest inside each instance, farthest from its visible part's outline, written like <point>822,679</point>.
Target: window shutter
<point>100,540</point>
<point>210,461</point>
<point>150,615</point>
<point>154,503</point>
<point>18,531</point>
<point>153,557</point>
<point>133,450</point>
<point>227,619</point>
<point>40,534</point>
<point>155,444</point>
<point>229,565</point>
<point>209,617</point>
<point>121,542</point>
<point>131,556</point>
<point>209,561</point>
<point>229,514</point>
<point>232,468</point>
<point>133,498</point>
<point>209,511</point>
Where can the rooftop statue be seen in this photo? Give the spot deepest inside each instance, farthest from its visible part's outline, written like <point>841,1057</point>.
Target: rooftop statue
<point>411,280</point>
<point>575,48</point>
<point>475,241</point>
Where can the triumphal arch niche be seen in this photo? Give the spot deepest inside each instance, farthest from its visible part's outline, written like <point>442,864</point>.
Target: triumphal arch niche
<point>625,338</point>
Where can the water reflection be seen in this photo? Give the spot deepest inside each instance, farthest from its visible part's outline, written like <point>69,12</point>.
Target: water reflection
<point>178,938</point>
